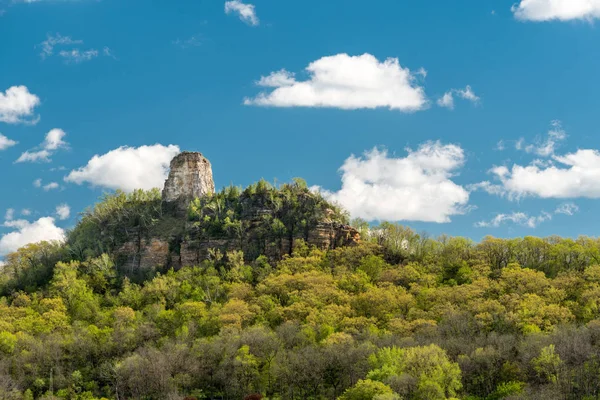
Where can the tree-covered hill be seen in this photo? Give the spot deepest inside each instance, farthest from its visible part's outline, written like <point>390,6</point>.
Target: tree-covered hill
<point>398,315</point>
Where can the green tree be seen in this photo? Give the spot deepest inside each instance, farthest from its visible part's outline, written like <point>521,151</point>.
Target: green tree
<point>369,390</point>
<point>436,376</point>
<point>547,365</point>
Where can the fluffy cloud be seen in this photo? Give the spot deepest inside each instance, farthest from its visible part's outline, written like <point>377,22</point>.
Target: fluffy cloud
<point>417,187</point>
<point>52,142</point>
<point>564,10</point>
<point>17,105</point>
<point>447,100</point>
<point>346,82</point>
<point>127,168</point>
<point>26,232</point>
<point>246,12</point>
<point>518,218</point>
<point>63,211</point>
<point>570,176</point>
<point>5,142</point>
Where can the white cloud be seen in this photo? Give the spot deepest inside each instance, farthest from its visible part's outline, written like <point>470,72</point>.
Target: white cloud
<point>17,106</point>
<point>127,168</point>
<point>563,10</point>
<point>50,186</point>
<point>78,56</point>
<point>73,54</point>
<point>518,218</point>
<point>447,100</point>
<point>15,223</point>
<point>56,40</point>
<point>34,156</point>
<point>26,212</point>
<point>524,219</point>
<point>5,142</point>
<point>546,147</point>
<point>107,52</point>
<point>279,78</point>
<point>10,214</point>
<point>63,211</point>
<point>417,187</point>
<point>246,12</point>
<point>26,232</point>
<point>37,183</point>
<point>52,142</point>
<point>487,187</point>
<point>468,94</point>
<point>567,209</point>
<point>570,176</point>
<point>346,82</point>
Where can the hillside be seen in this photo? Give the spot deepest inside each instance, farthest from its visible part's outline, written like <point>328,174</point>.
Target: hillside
<point>267,292</point>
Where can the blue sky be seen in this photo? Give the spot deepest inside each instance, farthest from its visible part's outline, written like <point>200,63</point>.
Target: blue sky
<point>189,75</point>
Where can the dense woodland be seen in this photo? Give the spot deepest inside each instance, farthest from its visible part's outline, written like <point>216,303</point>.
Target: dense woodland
<point>400,316</point>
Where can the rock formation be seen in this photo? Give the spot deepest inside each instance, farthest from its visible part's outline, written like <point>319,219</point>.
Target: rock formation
<point>190,177</point>
<point>177,242</point>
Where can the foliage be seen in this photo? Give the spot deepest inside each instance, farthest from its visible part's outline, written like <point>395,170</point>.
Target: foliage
<point>115,219</point>
<point>430,373</point>
<point>263,217</point>
<point>369,390</point>
<point>401,315</point>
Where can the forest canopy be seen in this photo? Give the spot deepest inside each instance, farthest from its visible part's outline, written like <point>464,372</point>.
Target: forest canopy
<point>400,315</point>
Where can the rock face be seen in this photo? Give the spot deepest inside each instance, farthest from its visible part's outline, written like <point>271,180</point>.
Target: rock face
<point>190,177</point>
<point>327,236</point>
<point>144,255</point>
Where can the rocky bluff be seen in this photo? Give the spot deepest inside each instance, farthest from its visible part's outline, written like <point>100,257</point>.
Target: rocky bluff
<point>180,240</point>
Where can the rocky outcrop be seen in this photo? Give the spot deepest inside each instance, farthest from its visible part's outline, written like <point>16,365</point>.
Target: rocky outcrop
<point>176,242</point>
<point>190,177</point>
